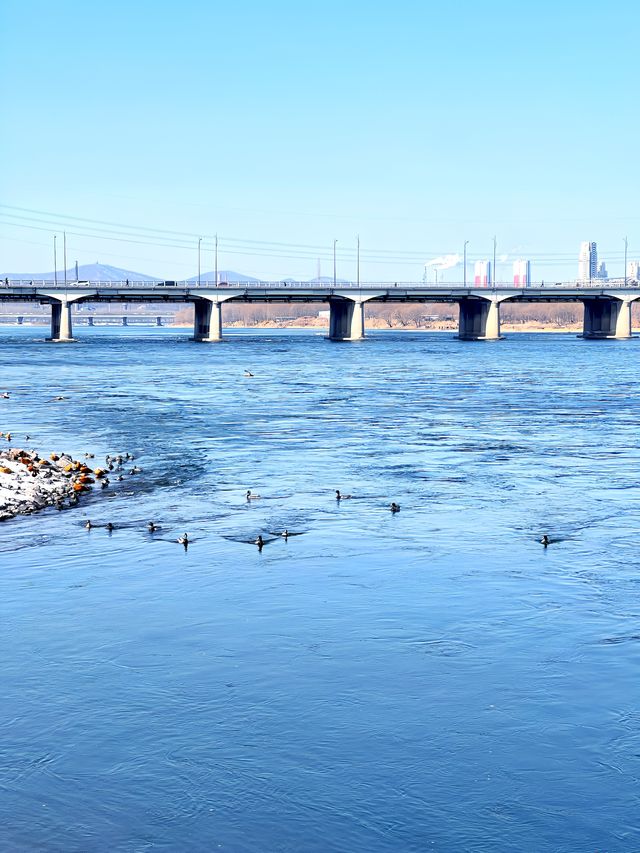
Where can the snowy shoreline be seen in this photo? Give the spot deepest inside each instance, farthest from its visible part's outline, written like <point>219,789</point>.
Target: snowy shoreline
<point>30,482</point>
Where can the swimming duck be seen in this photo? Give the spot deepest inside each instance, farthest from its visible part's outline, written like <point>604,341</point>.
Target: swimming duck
<point>260,542</point>
<point>340,497</point>
<point>285,534</point>
<point>248,373</point>
<point>183,540</point>
<point>395,507</point>
<point>151,527</point>
<point>110,527</point>
<point>545,540</point>
<point>252,497</point>
<point>88,525</point>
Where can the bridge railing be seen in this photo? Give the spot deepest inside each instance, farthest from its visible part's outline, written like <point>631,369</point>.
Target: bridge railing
<point>168,286</point>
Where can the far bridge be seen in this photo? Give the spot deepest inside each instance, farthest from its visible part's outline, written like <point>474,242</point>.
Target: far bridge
<point>607,306</point>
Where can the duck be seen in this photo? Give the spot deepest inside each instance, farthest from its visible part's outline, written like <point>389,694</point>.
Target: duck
<point>5,396</point>
<point>110,527</point>
<point>285,534</point>
<point>248,373</point>
<point>340,497</point>
<point>545,540</point>
<point>135,470</point>
<point>151,527</point>
<point>252,497</point>
<point>260,542</point>
<point>88,525</point>
<point>395,507</point>
<point>183,540</point>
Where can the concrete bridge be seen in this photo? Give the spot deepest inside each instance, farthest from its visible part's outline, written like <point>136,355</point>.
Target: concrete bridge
<point>607,307</point>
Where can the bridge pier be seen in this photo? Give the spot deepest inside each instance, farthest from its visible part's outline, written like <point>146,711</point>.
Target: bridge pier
<point>61,328</point>
<point>608,317</point>
<point>479,319</point>
<point>207,322</point>
<point>346,316</point>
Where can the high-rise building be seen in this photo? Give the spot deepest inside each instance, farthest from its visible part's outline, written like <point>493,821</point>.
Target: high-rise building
<point>482,273</point>
<point>602,270</point>
<point>588,261</point>
<point>522,273</point>
<point>633,270</point>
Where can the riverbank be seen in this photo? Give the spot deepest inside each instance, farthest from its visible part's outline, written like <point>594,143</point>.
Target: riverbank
<point>29,482</point>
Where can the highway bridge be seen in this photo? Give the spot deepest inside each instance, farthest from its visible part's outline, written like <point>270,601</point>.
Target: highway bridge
<point>607,306</point>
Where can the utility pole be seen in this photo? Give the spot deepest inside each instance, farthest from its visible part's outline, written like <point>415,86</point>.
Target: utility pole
<point>625,261</point>
<point>464,252</point>
<point>199,242</point>
<point>216,272</point>
<point>334,262</point>
<point>493,271</point>
<point>55,260</point>
<point>358,263</point>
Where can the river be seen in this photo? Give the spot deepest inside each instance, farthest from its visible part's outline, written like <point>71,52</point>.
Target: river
<point>433,679</point>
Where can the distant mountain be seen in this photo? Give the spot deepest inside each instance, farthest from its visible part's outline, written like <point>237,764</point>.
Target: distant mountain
<point>223,275</point>
<point>86,272</point>
<point>325,279</point>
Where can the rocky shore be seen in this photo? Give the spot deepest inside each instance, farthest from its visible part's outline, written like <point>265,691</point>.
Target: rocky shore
<point>29,482</point>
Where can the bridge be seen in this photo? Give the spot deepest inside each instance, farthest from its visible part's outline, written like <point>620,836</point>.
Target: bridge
<point>607,306</point>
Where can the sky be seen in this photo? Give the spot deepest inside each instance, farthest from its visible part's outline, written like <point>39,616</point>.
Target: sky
<point>140,127</point>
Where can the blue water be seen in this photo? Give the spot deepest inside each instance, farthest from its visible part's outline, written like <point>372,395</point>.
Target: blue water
<point>429,680</point>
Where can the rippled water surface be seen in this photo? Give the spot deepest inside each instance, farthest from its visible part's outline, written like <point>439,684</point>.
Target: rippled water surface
<point>429,680</point>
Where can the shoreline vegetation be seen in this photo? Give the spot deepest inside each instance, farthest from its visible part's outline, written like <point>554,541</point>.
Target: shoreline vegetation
<point>428,317</point>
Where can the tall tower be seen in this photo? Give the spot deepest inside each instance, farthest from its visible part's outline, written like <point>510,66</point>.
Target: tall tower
<point>482,273</point>
<point>588,261</point>
<point>522,273</point>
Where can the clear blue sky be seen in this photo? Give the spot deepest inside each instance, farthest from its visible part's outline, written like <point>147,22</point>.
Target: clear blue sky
<point>284,124</point>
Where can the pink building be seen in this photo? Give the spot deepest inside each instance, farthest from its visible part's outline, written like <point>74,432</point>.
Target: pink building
<point>522,273</point>
<point>482,273</point>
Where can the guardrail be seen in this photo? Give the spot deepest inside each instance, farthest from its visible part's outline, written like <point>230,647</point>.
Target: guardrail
<point>327,285</point>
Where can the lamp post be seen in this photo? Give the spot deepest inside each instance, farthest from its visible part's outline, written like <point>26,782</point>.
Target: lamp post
<point>216,267</point>
<point>334,262</point>
<point>625,261</point>
<point>358,263</point>
<point>64,251</point>
<point>493,269</point>
<point>55,260</point>
<point>199,242</point>
<point>464,263</point>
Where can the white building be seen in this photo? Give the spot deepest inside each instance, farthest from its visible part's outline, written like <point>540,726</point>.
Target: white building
<point>482,273</point>
<point>588,261</point>
<point>522,273</point>
<point>633,270</point>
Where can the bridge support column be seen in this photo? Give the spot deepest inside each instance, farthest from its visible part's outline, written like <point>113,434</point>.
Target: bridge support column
<point>207,324</point>
<point>608,317</point>
<point>479,320</point>
<point>346,320</point>
<point>61,329</point>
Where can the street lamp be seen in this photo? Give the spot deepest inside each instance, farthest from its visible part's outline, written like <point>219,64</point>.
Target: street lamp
<point>199,242</point>
<point>64,245</point>
<point>464,252</point>
<point>216,268</point>
<point>493,269</point>
<point>55,260</point>
<point>358,263</point>
<point>334,262</point>
<point>625,261</point>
